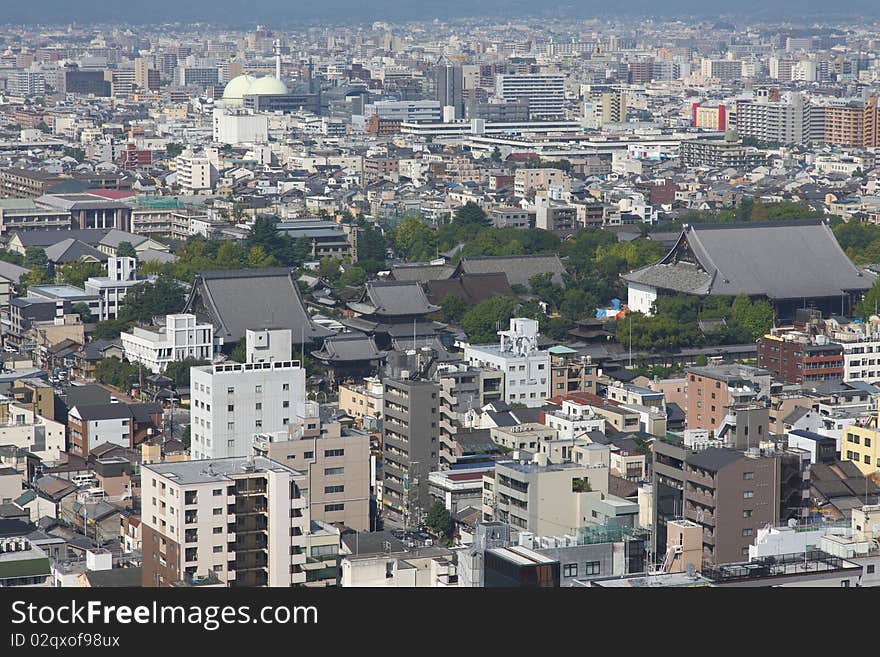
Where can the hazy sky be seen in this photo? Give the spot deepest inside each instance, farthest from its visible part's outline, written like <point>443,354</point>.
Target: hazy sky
<point>287,12</point>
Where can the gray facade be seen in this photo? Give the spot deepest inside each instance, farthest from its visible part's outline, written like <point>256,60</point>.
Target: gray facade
<point>410,449</point>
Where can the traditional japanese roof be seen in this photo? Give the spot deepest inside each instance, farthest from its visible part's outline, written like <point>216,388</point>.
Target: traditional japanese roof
<point>778,259</point>
<point>519,269</point>
<point>421,271</point>
<point>471,288</point>
<point>349,348</point>
<point>393,299</point>
<point>72,250</point>
<point>241,299</point>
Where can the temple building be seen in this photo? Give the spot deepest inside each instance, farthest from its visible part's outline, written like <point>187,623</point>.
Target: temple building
<point>793,264</point>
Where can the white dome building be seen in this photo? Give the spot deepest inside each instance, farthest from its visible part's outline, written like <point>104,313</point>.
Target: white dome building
<point>267,86</point>
<point>236,89</point>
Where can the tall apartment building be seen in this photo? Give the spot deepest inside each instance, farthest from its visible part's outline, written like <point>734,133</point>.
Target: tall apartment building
<point>183,337</point>
<point>526,368</point>
<point>723,69</point>
<point>782,122</point>
<point>198,76</point>
<point>26,83</point>
<point>544,93</point>
<point>231,402</point>
<point>410,449</point>
<point>242,520</point>
<point>449,87</point>
<point>711,390</point>
<point>727,152</point>
<point>797,358</point>
<point>560,218</point>
<point>710,117</point>
<point>335,461</point>
<point>730,493</point>
<point>146,75</point>
<point>463,389</point>
<point>528,181</point>
<point>855,123</point>
<point>195,175</point>
<point>612,107</point>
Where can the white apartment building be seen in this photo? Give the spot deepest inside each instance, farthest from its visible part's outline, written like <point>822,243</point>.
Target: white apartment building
<point>861,356</point>
<point>526,368</point>
<point>785,121</point>
<point>236,127</point>
<point>25,429</point>
<point>183,337</point>
<point>231,402</point>
<point>111,289</point>
<point>244,520</point>
<point>195,175</point>
<point>545,93</point>
<point>574,420</point>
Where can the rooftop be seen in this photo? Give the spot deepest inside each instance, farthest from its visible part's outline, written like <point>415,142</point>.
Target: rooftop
<point>212,470</point>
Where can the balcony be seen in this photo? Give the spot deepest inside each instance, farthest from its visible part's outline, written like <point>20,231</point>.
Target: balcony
<point>250,524</point>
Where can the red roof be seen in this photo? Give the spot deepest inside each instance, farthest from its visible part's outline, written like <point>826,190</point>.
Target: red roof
<point>466,476</point>
<point>112,194</point>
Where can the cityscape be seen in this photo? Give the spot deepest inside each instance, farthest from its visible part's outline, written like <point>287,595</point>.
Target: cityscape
<point>404,301</point>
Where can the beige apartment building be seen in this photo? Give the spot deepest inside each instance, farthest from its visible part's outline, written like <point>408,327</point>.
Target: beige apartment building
<point>361,400</point>
<point>243,520</point>
<point>336,466</point>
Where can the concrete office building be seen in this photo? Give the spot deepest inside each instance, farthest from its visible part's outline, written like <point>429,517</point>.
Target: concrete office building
<point>183,337</point>
<point>544,93</point>
<point>410,449</point>
<point>231,402</point>
<point>242,520</point>
<point>336,464</point>
<point>526,368</point>
<point>112,289</point>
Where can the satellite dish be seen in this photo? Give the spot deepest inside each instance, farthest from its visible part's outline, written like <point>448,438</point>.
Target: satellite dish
<point>792,523</point>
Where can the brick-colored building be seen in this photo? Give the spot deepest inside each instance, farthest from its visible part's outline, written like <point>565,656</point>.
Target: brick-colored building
<point>796,361</point>
<point>711,390</point>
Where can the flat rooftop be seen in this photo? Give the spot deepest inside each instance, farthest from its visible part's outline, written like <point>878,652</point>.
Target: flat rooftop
<point>211,470</point>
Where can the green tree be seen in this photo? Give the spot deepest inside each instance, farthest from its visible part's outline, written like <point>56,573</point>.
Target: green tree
<point>82,309</point>
<point>453,308</point>
<point>471,214</point>
<point>114,372</point>
<point>147,300</point>
<point>173,149</point>
<point>329,269</point>
<point>126,250</point>
<point>110,329</point>
<point>179,370</point>
<point>754,316</point>
<point>439,519</point>
<point>371,244</point>
<point>870,304</point>
<point>353,275</point>
<point>35,257</point>
<point>415,240</point>
<point>482,321</point>
<point>76,273</point>
<point>77,154</point>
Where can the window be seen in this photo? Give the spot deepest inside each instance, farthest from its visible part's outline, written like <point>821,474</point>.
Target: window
<point>867,459</point>
<point>258,389</point>
<point>218,549</point>
<point>748,476</point>
<point>230,390</point>
<point>747,513</point>
<point>870,569</point>
<point>867,442</point>
<point>285,386</point>
<point>218,492</point>
<point>845,583</point>
<point>218,511</point>
<point>592,568</point>
<point>230,408</point>
<point>570,570</point>
<point>333,489</point>
<point>333,507</point>
<point>333,471</point>
<point>749,494</point>
<point>333,452</point>
<point>285,404</point>
<point>308,455</point>
<point>258,406</point>
<point>218,530</point>
<point>748,532</point>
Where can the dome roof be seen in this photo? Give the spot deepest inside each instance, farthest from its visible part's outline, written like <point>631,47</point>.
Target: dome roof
<point>267,86</point>
<point>237,88</point>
